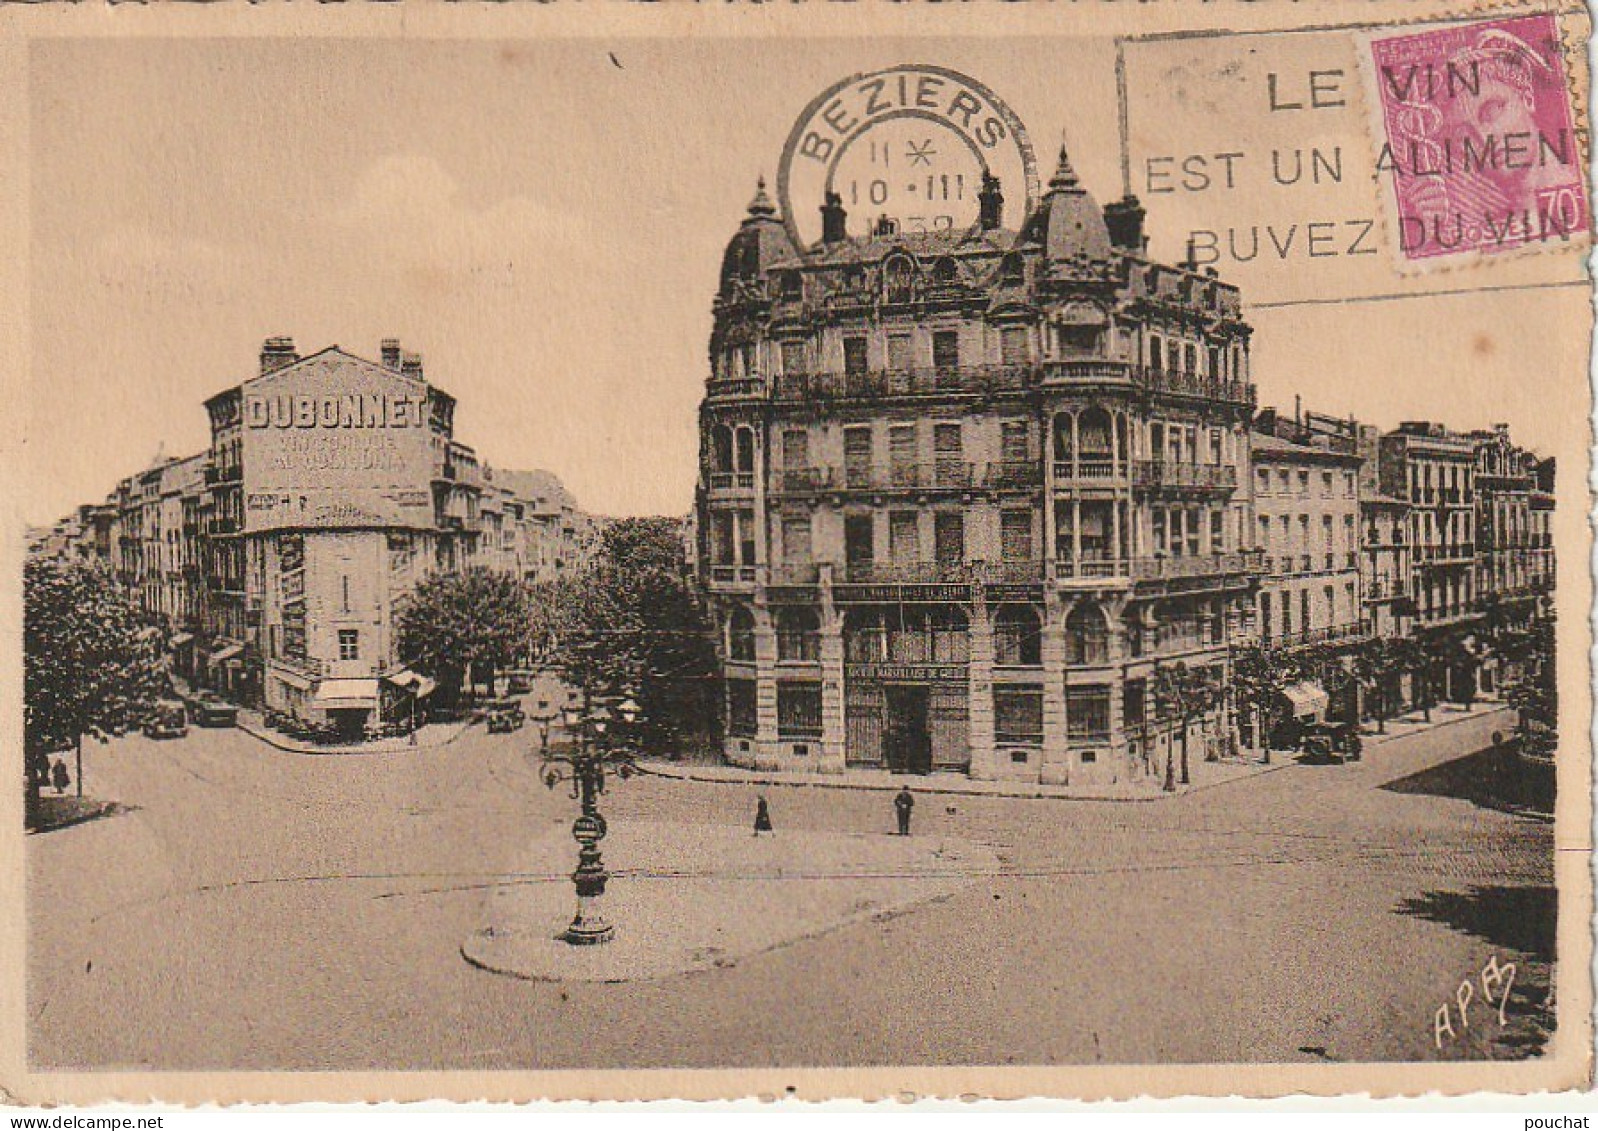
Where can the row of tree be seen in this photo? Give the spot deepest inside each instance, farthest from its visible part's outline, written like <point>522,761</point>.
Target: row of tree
<point>629,623</point>
<point>1368,681</point>
<point>90,667</point>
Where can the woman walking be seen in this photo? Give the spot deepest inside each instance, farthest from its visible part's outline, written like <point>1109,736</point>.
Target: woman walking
<point>763,816</point>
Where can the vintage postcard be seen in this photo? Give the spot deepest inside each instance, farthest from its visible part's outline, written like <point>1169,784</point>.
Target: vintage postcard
<point>669,551</point>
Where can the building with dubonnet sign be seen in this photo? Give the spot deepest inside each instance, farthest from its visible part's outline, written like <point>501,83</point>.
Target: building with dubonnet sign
<point>274,561</point>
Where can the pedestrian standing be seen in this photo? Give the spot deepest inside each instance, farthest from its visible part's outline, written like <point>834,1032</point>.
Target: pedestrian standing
<point>59,777</point>
<point>763,816</point>
<point>902,805</point>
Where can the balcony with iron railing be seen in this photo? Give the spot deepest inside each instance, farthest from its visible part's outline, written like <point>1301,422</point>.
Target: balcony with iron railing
<point>1163,382</point>
<point>1186,476</point>
<point>1386,589</point>
<point>1328,635</point>
<point>732,481</point>
<point>1089,469</point>
<point>881,384</point>
<point>907,573</point>
<point>945,475</point>
<point>1159,568</point>
<point>733,575</point>
<point>734,388</point>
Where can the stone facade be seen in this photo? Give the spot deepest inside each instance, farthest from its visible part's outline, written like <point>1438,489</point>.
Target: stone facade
<point>962,492</point>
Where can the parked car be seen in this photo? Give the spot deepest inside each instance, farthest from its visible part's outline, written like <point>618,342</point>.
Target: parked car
<point>209,711</point>
<point>1331,742</point>
<point>504,716</point>
<point>169,718</point>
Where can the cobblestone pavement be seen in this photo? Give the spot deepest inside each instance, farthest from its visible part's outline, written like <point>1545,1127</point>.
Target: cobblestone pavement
<point>260,910</point>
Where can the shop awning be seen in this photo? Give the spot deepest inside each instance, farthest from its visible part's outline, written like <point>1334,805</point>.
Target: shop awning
<point>1308,699</point>
<point>337,693</point>
<point>180,640</point>
<point>294,680</point>
<point>418,685</point>
<point>223,655</point>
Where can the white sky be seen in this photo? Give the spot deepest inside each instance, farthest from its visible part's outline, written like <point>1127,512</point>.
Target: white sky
<point>545,223</point>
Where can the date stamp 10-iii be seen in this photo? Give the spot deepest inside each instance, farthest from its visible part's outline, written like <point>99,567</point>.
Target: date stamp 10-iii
<point>1478,138</point>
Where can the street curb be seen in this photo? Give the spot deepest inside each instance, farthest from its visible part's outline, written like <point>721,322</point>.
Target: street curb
<point>756,777</point>
<point>287,745</point>
<point>764,778</point>
<point>1380,740</point>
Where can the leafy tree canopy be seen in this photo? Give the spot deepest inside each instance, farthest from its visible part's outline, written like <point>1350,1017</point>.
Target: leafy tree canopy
<point>477,618</point>
<point>89,667</point>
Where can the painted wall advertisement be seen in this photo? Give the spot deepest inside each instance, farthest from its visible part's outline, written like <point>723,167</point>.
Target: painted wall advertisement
<point>337,445</point>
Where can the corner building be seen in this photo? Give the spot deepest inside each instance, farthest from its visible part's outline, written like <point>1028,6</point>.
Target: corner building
<point>962,491</point>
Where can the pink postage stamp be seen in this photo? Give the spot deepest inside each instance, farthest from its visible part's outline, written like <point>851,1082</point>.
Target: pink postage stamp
<point>1478,138</point>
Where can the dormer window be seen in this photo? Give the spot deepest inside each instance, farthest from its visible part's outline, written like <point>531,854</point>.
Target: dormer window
<point>790,285</point>
<point>944,272</point>
<point>1012,270</point>
<point>899,280</point>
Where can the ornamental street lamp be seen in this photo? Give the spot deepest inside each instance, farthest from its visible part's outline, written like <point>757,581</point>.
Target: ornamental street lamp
<point>594,748</point>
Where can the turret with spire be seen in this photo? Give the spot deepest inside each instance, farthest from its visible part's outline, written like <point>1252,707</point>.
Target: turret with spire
<point>760,241</point>
<point>1068,223</point>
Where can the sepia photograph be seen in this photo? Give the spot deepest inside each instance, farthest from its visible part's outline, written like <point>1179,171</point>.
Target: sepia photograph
<point>677,555</point>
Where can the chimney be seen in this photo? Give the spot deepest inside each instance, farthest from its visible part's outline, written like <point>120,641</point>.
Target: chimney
<point>887,226</point>
<point>990,203</point>
<point>1124,218</point>
<point>832,220</point>
<point>276,353</point>
<point>411,365</point>
<point>391,353</point>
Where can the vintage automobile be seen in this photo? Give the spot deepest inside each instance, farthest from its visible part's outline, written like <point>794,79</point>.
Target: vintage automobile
<point>1331,742</point>
<point>169,718</point>
<point>518,682</point>
<point>504,716</point>
<point>209,711</point>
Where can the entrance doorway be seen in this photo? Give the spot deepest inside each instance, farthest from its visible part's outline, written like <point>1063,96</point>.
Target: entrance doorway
<point>907,738</point>
<point>351,723</point>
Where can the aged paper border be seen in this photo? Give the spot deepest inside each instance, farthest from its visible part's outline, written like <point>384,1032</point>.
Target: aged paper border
<point>1568,1063</point>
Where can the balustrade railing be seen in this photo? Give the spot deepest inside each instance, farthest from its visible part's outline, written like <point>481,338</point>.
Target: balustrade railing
<point>1163,473</point>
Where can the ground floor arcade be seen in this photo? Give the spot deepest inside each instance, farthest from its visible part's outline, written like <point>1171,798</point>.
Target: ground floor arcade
<point>1063,690</point>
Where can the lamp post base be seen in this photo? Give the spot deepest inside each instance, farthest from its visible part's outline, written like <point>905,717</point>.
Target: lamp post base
<point>589,928</point>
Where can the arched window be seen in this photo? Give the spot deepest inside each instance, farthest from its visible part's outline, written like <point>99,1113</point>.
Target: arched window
<point>746,450</point>
<point>1017,637</point>
<point>899,280</point>
<point>721,448</point>
<point>945,272</point>
<point>1093,432</point>
<point>1087,636</point>
<point>741,636</point>
<point>1132,628</point>
<point>798,635</point>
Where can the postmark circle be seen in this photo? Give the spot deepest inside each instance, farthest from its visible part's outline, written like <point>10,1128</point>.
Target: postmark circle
<point>910,144</point>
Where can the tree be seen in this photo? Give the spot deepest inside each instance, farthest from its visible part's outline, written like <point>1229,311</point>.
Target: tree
<point>475,623</point>
<point>631,624</point>
<point>1258,675</point>
<point>1412,661</point>
<point>1183,694</point>
<point>1376,664</point>
<point>1535,695</point>
<point>88,666</point>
